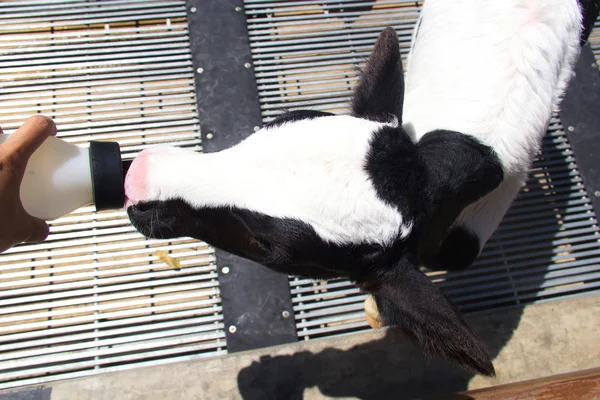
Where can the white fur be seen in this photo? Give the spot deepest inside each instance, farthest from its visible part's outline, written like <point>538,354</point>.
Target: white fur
<point>309,170</point>
<point>495,70</point>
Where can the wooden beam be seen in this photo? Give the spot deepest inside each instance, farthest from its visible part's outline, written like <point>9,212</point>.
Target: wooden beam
<point>584,384</point>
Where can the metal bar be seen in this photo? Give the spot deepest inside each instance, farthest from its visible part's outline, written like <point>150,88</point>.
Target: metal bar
<point>63,9</point>
<point>95,81</point>
<point>122,280</point>
<point>307,333</point>
<point>24,42</point>
<point>22,252</point>
<point>75,119</point>
<point>326,295</point>
<point>343,36</point>
<point>532,297</point>
<point>515,277</point>
<point>8,28</point>
<point>179,55</point>
<point>300,70</point>
<point>82,345</point>
<point>322,8</point>
<point>103,327</point>
<point>547,268</point>
<point>81,70</point>
<point>258,36</point>
<point>47,4</point>
<point>497,241</point>
<point>264,89</point>
<point>327,286</point>
<point>115,57</point>
<point>142,100</point>
<point>69,260</point>
<point>35,357</point>
<point>123,98</point>
<point>162,358</point>
<point>141,88</point>
<point>179,287</point>
<point>290,99</point>
<point>57,313</point>
<point>109,126</point>
<point>326,304</point>
<point>206,307</point>
<point>341,314</point>
<point>258,25</point>
<point>553,279</point>
<point>134,348</point>
<point>101,286</point>
<point>205,322</point>
<point>107,14</point>
<point>105,52</point>
<point>78,234</point>
<point>501,249</point>
<point>338,3</point>
<point>98,274</point>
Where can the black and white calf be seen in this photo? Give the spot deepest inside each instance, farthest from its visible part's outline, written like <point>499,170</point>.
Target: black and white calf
<point>322,196</point>
<point>494,70</point>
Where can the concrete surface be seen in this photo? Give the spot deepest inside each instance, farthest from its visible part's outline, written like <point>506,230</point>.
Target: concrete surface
<point>532,342</point>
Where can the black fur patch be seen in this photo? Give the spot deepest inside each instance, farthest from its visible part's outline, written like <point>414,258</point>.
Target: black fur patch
<point>458,251</point>
<point>460,171</point>
<point>292,116</point>
<point>394,167</point>
<point>431,181</point>
<point>407,300</point>
<point>380,91</point>
<point>285,245</point>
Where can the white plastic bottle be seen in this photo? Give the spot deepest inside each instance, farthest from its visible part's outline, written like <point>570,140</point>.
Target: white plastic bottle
<point>61,177</point>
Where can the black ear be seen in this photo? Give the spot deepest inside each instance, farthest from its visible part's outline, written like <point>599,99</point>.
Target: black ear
<point>460,170</point>
<point>406,299</point>
<point>380,91</point>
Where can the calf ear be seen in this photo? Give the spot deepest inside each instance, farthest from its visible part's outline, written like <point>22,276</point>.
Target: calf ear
<point>406,299</point>
<point>460,170</point>
<point>380,91</point>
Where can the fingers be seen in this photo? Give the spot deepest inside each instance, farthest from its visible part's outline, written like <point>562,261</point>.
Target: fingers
<point>34,131</point>
<point>37,230</point>
<point>28,229</point>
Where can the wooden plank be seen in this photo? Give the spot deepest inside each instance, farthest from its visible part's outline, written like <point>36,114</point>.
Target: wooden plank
<point>577,385</point>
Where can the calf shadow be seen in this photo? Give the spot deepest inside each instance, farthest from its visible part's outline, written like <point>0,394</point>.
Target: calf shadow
<point>387,368</point>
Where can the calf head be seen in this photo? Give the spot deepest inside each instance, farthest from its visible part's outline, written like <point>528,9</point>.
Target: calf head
<point>323,196</point>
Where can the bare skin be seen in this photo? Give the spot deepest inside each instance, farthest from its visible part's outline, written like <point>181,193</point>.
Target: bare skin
<point>16,225</point>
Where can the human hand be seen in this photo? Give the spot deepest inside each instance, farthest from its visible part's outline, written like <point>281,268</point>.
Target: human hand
<point>16,225</point>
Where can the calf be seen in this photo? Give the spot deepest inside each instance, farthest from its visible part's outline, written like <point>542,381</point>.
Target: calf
<point>494,70</point>
<point>364,196</point>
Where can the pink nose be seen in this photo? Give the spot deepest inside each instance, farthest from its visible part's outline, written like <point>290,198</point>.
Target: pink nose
<point>136,179</point>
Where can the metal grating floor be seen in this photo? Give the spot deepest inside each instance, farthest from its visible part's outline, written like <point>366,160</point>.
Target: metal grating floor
<point>95,297</point>
<point>306,54</point>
